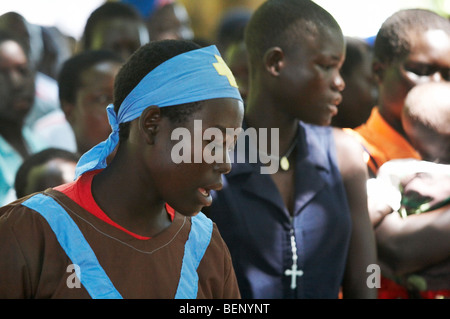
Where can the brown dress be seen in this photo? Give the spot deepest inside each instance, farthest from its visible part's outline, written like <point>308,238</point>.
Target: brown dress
<point>34,265</point>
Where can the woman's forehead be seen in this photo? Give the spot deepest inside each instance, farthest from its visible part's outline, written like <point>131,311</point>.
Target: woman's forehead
<point>221,113</point>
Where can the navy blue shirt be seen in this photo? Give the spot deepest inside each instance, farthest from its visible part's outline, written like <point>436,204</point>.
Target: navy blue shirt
<point>257,227</point>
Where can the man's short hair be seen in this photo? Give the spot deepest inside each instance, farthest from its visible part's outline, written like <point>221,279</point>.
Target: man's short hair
<point>38,159</point>
<point>107,11</point>
<point>276,23</point>
<point>393,41</point>
<point>69,78</point>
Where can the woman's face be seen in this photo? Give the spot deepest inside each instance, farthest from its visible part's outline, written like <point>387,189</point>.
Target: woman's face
<point>310,79</point>
<point>188,161</point>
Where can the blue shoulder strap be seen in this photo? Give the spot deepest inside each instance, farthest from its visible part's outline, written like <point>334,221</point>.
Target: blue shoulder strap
<point>94,278</point>
<point>198,241</point>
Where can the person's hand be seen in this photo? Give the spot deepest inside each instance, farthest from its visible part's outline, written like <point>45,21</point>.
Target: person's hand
<point>383,199</point>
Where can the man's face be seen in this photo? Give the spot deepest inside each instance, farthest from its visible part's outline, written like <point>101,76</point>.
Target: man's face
<point>170,22</point>
<point>123,36</point>
<point>17,88</point>
<point>429,60</point>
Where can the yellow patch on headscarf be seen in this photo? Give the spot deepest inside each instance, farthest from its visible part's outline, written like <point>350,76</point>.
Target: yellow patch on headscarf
<point>223,69</point>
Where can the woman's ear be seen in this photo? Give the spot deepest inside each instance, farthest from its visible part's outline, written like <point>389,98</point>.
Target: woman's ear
<point>149,123</point>
<point>274,60</point>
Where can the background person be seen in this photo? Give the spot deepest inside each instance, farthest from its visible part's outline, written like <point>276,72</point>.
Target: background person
<point>421,187</point>
<point>114,26</point>
<point>48,168</point>
<point>17,93</point>
<point>86,87</point>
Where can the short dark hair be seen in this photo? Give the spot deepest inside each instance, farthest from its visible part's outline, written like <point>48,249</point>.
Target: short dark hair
<point>144,60</point>
<point>107,11</point>
<point>276,23</point>
<point>356,50</point>
<point>393,41</point>
<point>69,78</point>
<point>37,159</point>
<point>231,27</point>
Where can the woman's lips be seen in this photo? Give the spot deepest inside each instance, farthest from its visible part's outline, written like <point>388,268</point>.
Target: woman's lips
<point>205,193</point>
<point>205,196</point>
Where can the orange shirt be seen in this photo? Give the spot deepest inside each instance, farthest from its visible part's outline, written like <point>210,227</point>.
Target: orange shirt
<point>381,142</point>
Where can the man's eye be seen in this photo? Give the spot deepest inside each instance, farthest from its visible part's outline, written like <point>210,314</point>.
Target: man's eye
<point>420,69</point>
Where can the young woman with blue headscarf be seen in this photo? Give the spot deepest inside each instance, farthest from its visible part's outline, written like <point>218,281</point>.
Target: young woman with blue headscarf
<point>131,227</point>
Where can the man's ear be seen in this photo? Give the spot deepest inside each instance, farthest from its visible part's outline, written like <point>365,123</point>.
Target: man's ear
<point>149,123</point>
<point>274,60</point>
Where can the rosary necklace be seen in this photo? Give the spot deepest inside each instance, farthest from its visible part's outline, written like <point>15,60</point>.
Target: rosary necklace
<point>294,272</point>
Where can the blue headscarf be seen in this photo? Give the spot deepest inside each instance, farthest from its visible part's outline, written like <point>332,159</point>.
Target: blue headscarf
<point>193,76</point>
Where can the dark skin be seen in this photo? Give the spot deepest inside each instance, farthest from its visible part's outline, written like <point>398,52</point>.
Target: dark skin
<point>236,58</point>
<point>170,22</point>
<point>144,161</point>
<point>17,93</point>
<point>123,36</point>
<point>87,114</point>
<point>305,84</point>
<point>313,65</point>
<point>430,48</point>
<point>414,243</point>
<point>359,95</point>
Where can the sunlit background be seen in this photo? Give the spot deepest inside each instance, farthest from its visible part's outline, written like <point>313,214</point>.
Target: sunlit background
<point>360,18</point>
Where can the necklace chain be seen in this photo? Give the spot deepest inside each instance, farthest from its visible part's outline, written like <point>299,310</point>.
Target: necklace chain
<point>282,161</point>
<point>288,152</point>
<point>291,148</point>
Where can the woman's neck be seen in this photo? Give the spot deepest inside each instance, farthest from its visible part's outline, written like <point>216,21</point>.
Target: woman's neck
<point>128,199</point>
<point>268,116</point>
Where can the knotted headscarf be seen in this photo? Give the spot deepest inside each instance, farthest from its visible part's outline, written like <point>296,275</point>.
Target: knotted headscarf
<point>193,76</point>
